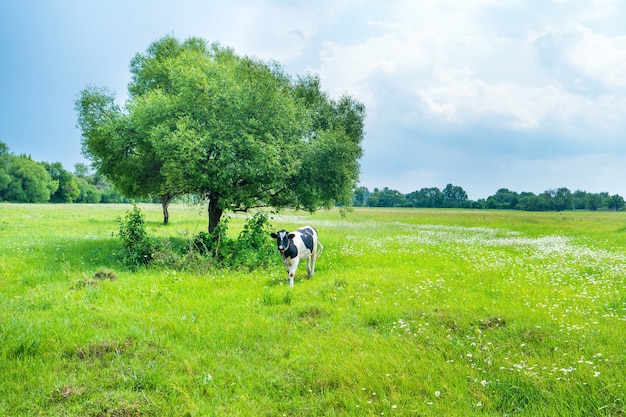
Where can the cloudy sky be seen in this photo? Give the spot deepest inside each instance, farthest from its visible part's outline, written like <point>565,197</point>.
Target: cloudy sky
<point>484,94</point>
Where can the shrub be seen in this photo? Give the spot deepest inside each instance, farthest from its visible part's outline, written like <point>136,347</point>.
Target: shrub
<point>139,247</point>
<point>252,249</point>
<point>211,243</point>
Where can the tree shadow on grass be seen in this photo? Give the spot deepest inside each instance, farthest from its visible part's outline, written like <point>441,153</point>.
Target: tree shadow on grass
<point>96,253</point>
<point>72,255</point>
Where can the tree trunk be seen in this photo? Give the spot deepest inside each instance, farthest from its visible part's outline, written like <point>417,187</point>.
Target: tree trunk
<point>165,202</point>
<point>215,213</point>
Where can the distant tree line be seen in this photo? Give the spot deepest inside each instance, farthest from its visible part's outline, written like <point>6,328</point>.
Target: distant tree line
<point>504,199</point>
<point>23,180</point>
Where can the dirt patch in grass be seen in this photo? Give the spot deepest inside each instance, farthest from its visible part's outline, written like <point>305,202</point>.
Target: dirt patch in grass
<point>312,315</point>
<point>66,392</point>
<point>105,274</point>
<point>491,323</point>
<point>132,410</point>
<point>93,281</point>
<point>103,350</point>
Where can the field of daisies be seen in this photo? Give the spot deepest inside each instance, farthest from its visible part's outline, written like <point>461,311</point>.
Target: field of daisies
<point>410,313</point>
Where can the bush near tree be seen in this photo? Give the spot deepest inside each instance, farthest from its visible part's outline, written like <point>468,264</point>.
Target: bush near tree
<point>252,248</point>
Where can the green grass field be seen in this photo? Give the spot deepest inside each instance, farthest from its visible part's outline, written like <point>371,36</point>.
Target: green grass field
<point>410,313</point>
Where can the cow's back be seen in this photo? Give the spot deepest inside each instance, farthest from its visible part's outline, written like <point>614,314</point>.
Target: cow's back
<point>308,235</point>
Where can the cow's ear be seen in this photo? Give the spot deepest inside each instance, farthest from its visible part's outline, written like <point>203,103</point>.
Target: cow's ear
<point>291,235</point>
<point>274,235</point>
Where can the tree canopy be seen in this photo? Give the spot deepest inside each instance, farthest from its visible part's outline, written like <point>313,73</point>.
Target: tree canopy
<point>25,181</point>
<point>235,130</point>
<point>67,191</point>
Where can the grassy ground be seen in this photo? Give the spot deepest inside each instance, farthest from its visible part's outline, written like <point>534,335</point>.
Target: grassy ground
<point>411,312</point>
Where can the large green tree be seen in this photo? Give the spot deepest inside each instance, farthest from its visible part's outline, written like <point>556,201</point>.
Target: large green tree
<point>235,130</point>
<point>29,181</point>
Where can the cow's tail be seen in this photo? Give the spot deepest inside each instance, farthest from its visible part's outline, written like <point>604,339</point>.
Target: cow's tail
<point>320,248</point>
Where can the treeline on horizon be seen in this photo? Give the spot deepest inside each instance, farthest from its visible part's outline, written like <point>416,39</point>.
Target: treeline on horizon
<point>23,180</point>
<point>504,199</point>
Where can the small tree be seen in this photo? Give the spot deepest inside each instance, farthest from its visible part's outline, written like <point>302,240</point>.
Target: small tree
<point>454,197</point>
<point>616,202</point>
<point>89,193</point>
<point>359,198</point>
<point>68,190</point>
<point>563,199</point>
<point>139,247</point>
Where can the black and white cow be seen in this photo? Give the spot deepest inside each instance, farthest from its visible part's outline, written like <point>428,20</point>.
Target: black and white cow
<point>301,244</point>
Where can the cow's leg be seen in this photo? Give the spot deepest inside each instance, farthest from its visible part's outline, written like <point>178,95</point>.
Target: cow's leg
<point>310,265</point>
<point>312,270</point>
<point>312,260</point>
<point>314,256</point>
<point>291,271</point>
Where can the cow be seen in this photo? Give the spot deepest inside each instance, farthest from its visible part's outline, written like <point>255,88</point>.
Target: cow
<point>301,244</point>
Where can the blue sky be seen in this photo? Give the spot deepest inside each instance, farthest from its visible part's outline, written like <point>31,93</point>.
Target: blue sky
<point>483,94</point>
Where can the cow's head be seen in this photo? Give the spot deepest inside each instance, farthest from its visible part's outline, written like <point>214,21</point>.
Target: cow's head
<point>282,239</point>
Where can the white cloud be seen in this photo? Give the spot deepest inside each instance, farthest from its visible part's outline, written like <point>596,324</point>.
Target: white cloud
<point>266,29</point>
<point>448,66</point>
<point>597,56</point>
<point>519,106</point>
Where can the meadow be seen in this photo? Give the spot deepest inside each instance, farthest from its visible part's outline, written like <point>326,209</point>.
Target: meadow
<point>411,312</point>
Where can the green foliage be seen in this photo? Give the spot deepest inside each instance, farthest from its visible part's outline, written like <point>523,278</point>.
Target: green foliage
<point>212,244</point>
<point>115,147</point>
<point>454,197</point>
<point>22,180</point>
<point>384,198</point>
<point>29,182</point>
<point>139,248</point>
<point>616,202</point>
<point>5,178</point>
<point>234,130</point>
<point>504,199</point>
<point>89,193</point>
<point>68,190</point>
<point>329,167</point>
<point>252,249</point>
